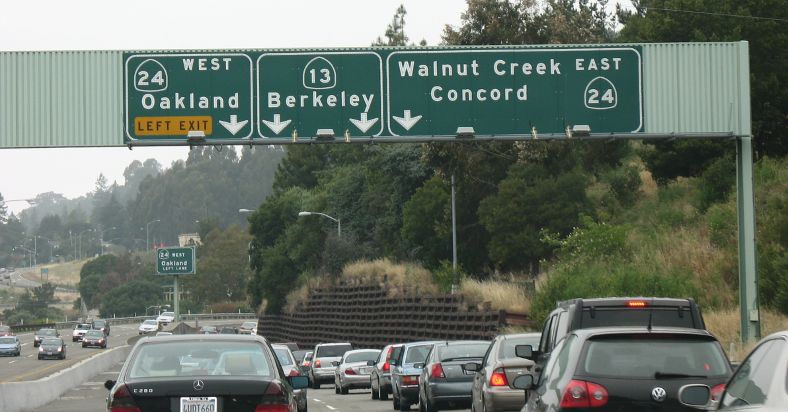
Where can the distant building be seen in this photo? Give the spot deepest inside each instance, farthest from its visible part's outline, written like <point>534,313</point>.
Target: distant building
<point>189,239</point>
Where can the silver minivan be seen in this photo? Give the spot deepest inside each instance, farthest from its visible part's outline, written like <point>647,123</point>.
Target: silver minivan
<point>324,354</point>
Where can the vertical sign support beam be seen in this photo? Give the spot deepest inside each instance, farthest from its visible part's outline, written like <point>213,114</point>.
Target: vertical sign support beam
<point>176,300</point>
<point>455,287</point>
<point>745,204</point>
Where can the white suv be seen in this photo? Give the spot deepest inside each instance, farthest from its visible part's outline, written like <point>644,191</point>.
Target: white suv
<point>166,317</point>
<point>79,331</point>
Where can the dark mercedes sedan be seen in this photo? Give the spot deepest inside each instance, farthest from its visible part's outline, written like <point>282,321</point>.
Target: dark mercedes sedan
<point>626,369</point>
<point>52,347</point>
<point>227,373</point>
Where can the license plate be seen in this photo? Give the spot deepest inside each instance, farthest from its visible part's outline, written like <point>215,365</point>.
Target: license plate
<point>366,370</point>
<point>198,404</point>
<point>50,353</point>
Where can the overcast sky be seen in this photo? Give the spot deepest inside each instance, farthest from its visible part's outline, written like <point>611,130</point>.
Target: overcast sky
<point>180,24</point>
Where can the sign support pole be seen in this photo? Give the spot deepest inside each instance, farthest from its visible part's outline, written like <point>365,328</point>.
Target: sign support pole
<point>176,300</point>
<point>745,205</point>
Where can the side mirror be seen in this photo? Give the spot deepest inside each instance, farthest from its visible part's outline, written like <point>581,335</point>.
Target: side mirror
<point>419,365</point>
<point>695,396</point>
<point>370,363</point>
<point>335,363</point>
<point>109,384</point>
<point>524,351</point>
<point>472,367</point>
<point>298,382</point>
<point>525,382</point>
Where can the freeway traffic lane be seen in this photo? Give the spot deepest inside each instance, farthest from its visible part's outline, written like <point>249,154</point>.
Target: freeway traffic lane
<point>91,396</point>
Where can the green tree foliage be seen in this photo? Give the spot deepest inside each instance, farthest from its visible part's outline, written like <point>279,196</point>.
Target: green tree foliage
<point>130,298</point>
<point>34,307</point>
<point>426,228</point>
<point>395,32</point>
<point>721,20</point>
<point>223,267</point>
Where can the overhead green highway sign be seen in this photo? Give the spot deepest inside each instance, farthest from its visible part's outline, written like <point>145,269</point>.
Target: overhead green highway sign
<point>304,92</point>
<point>174,96</point>
<point>513,91</point>
<point>175,261</point>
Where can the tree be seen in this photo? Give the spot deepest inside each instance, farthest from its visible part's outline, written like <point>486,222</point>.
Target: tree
<point>3,211</point>
<point>224,267</point>
<point>130,299</point>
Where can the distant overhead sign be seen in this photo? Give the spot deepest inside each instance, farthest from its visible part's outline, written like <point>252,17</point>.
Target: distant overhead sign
<point>175,261</point>
<point>381,92</point>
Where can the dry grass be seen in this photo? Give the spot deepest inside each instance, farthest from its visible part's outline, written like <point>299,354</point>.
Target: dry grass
<point>724,324</point>
<point>301,294</point>
<point>399,279</point>
<point>501,295</point>
<point>648,186</point>
<point>66,274</point>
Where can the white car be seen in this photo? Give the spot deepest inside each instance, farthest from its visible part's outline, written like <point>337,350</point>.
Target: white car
<point>248,328</point>
<point>79,331</point>
<point>149,326</point>
<point>166,317</point>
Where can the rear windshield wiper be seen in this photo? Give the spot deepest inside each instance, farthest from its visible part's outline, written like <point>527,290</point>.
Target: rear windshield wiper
<point>664,375</point>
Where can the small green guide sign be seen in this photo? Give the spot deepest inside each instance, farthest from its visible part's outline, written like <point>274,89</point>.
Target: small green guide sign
<point>175,261</point>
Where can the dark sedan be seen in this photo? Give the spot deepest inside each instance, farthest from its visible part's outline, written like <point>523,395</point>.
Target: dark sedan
<point>94,338</point>
<point>44,333</point>
<point>444,383</point>
<point>52,348</point>
<point>626,369</point>
<point>203,373</point>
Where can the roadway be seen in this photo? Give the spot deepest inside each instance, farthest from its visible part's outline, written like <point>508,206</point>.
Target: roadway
<point>91,396</point>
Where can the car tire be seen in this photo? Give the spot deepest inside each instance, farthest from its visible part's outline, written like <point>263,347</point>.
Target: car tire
<point>383,394</point>
<point>404,405</point>
<point>395,402</point>
<point>315,384</point>
<point>375,392</point>
<point>343,390</point>
<point>40,358</point>
<point>336,389</point>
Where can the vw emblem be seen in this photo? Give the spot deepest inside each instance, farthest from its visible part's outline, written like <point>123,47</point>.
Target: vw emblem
<point>200,385</point>
<point>658,394</point>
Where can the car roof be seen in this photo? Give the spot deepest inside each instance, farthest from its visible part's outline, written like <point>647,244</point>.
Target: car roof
<point>462,342</point>
<point>621,300</point>
<point>201,338</point>
<point>633,330</point>
<point>361,351</point>
<point>420,343</point>
<point>334,344</point>
<point>521,335</point>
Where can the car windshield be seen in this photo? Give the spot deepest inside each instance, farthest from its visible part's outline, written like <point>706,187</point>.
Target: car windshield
<point>94,334</point>
<point>209,328</point>
<point>50,342</point>
<point>200,358</point>
<point>99,324</point>
<point>284,356</point>
<point>332,351</point>
<point>6,340</point>
<point>653,357</point>
<point>509,346</point>
<point>417,354</point>
<point>149,322</point>
<point>462,351</point>
<point>362,357</point>
<point>46,332</point>
<point>168,314</point>
<point>82,326</point>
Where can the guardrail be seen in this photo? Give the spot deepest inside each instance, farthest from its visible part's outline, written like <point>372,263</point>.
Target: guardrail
<point>31,327</point>
<point>367,317</point>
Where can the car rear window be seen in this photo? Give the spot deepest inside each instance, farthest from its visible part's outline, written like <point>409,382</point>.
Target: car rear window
<point>463,351</point>
<point>509,346</point>
<point>284,356</point>
<point>417,354</point>
<point>652,357</point>
<point>193,358</point>
<point>362,357</point>
<point>625,316</point>
<point>331,351</point>
<point>94,333</point>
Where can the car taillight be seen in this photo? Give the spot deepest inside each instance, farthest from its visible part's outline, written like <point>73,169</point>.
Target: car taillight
<point>410,380</point>
<point>350,371</point>
<point>294,372</point>
<point>306,363</point>
<point>636,303</point>
<point>122,401</point>
<point>582,394</point>
<point>498,378</point>
<point>716,392</point>
<point>437,371</point>
<point>317,363</point>
<point>272,408</point>
<point>386,367</point>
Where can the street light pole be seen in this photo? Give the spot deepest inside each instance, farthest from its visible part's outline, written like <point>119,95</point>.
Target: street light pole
<point>147,237</point>
<point>339,223</point>
<point>101,240</point>
<point>79,240</point>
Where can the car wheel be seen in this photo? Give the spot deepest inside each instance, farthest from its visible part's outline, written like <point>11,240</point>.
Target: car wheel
<point>421,404</point>
<point>343,390</point>
<point>375,391</point>
<point>40,358</point>
<point>383,394</point>
<point>395,402</point>
<point>404,405</point>
<point>336,388</point>
<point>315,384</point>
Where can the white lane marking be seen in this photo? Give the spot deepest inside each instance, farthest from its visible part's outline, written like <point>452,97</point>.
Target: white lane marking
<point>317,400</point>
<point>331,407</point>
<point>11,362</point>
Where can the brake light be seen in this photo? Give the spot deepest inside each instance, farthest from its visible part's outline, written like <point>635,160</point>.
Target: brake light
<point>410,380</point>
<point>274,389</point>
<point>582,394</point>
<point>122,401</point>
<point>636,303</point>
<point>306,363</point>
<point>716,392</point>
<point>437,371</point>
<point>294,372</point>
<point>317,363</point>
<point>272,408</point>
<point>350,371</point>
<point>498,378</point>
<point>386,367</point>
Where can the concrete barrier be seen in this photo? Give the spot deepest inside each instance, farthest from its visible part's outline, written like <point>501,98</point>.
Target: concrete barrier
<point>26,396</point>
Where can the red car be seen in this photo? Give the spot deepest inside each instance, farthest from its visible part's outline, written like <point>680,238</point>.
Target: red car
<point>5,331</point>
